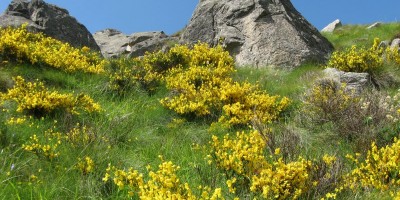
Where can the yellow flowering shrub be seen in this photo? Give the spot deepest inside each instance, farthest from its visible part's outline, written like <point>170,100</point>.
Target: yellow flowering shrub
<point>358,59</point>
<point>85,165</point>
<point>200,82</point>
<point>80,136</point>
<point>244,103</point>
<point>248,167</point>
<point>327,101</point>
<point>160,184</point>
<point>148,71</point>
<point>243,154</point>
<point>205,88</point>
<point>392,55</point>
<point>360,119</point>
<point>45,145</point>
<point>123,75</point>
<point>380,169</point>
<point>21,45</point>
<point>196,85</point>
<point>283,180</point>
<point>35,99</point>
<point>196,91</point>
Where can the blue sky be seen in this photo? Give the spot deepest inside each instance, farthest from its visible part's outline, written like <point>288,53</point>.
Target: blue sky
<point>131,16</point>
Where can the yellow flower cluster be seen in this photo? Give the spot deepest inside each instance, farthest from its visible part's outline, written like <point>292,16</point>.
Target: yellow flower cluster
<point>148,71</point>
<point>85,165</point>
<point>201,84</point>
<point>23,46</point>
<point>80,136</point>
<point>380,170</point>
<point>197,82</point>
<point>243,154</point>
<point>243,157</point>
<point>204,87</point>
<point>34,98</point>
<point>392,55</point>
<point>327,101</point>
<point>358,59</point>
<point>15,121</point>
<point>283,181</point>
<point>161,184</point>
<point>123,74</point>
<point>244,103</point>
<point>46,145</point>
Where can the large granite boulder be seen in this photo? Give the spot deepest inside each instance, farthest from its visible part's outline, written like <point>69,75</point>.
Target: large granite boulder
<point>258,32</point>
<point>114,43</point>
<point>49,19</point>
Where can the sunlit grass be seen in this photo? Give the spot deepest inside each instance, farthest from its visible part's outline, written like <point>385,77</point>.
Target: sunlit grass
<point>134,129</point>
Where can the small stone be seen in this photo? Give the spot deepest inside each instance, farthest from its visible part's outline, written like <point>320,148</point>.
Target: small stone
<point>332,26</point>
<point>374,25</point>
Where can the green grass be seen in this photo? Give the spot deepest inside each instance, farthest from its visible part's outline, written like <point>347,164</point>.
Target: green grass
<point>349,35</point>
<point>279,81</point>
<point>134,129</point>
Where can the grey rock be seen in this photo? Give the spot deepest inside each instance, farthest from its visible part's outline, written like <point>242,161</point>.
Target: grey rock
<point>49,19</point>
<point>355,82</point>
<point>374,25</point>
<point>384,44</point>
<point>395,44</point>
<point>113,43</point>
<point>143,36</point>
<point>332,26</point>
<point>143,42</point>
<point>257,32</point>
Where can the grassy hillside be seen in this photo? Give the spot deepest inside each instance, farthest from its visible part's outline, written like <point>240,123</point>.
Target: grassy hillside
<point>67,132</point>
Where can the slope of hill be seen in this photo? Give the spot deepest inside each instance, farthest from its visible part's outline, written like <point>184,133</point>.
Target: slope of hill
<point>72,133</point>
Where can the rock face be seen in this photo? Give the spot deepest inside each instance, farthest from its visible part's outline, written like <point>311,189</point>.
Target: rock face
<point>111,42</point>
<point>114,43</point>
<point>332,26</point>
<point>49,19</point>
<point>257,32</point>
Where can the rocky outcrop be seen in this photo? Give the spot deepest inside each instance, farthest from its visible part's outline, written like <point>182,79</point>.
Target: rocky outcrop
<point>258,32</point>
<point>111,42</point>
<point>114,43</point>
<point>49,19</point>
<point>355,82</point>
<point>332,26</point>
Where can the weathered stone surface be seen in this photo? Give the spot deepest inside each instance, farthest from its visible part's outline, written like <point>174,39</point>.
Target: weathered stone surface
<point>49,19</point>
<point>113,43</point>
<point>395,44</point>
<point>332,26</point>
<point>143,42</point>
<point>355,82</point>
<point>258,32</point>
